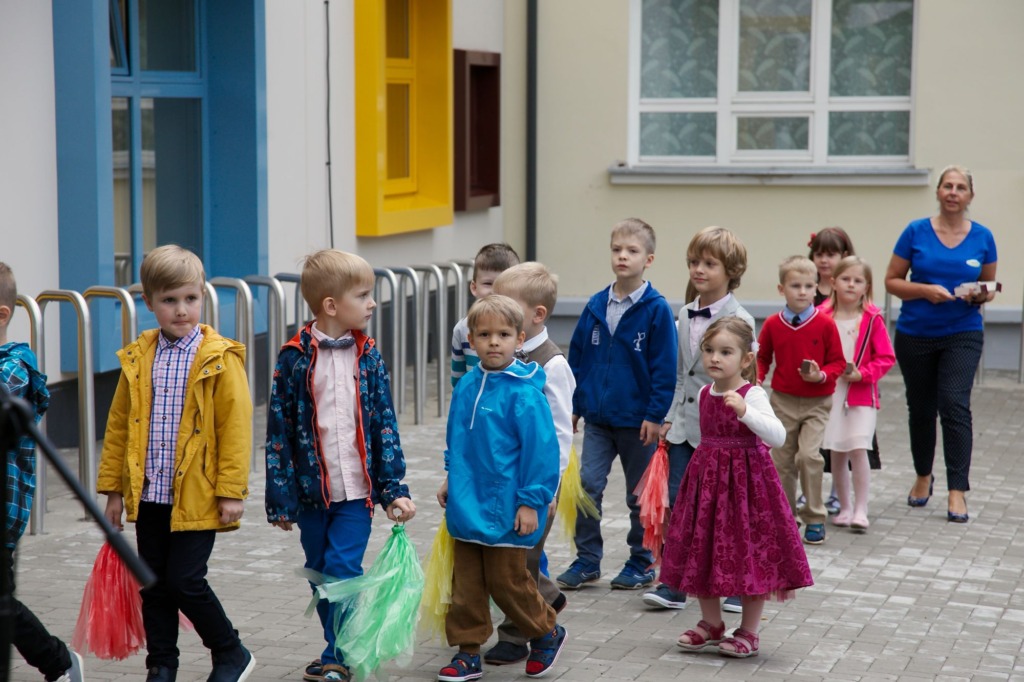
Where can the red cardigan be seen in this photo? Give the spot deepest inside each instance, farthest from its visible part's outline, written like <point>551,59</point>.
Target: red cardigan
<point>878,356</point>
<point>815,339</point>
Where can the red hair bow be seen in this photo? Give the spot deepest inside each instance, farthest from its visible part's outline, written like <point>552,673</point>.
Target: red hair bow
<point>813,235</point>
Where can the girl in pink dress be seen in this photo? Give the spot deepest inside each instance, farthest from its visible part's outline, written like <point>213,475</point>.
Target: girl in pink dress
<point>731,530</point>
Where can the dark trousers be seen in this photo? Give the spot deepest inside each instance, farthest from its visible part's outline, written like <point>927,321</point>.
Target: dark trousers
<point>938,373</point>
<point>179,560</point>
<point>36,645</point>
<point>679,456</point>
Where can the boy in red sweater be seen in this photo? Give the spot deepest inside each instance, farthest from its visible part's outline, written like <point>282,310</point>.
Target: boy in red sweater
<point>808,355</point>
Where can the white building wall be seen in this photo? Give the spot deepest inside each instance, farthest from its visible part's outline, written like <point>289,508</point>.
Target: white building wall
<point>28,162</point>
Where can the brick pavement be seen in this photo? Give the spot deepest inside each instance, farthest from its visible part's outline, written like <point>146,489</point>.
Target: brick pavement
<point>916,598</point>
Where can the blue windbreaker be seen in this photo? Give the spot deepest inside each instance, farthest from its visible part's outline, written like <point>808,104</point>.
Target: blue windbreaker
<point>500,443</point>
<point>628,378</point>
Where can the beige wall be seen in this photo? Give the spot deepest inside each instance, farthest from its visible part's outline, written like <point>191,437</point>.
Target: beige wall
<point>968,110</point>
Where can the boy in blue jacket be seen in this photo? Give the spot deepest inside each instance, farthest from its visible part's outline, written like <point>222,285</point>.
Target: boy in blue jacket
<point>501,479</point>
<point>623,355</point>
<point>332,438</point>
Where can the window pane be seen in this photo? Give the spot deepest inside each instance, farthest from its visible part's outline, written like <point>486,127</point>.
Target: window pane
<point>763,133</point>
<point>679,48</point>
<point>122,135</point>
<point>167,35</point>
<point>172,172</point>
<point>398,130</point>
<point>672,134</point>
<point>871,133</point>
<point>397,20</point>
<point>871,48</point>
<point>775,46</point>
<point>118,34</point>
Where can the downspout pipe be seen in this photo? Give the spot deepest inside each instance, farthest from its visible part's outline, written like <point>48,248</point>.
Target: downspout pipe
<point>531,130</point>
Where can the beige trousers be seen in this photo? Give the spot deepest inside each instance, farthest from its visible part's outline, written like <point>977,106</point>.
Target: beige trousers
<point>798,458</point>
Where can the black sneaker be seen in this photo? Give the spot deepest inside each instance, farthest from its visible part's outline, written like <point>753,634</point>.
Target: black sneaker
<point>506,653</point>
<point>161,673</point>
<point>233,666</point>
<point>74,673</point>
<point>733,605</point>
<point>664,597</point>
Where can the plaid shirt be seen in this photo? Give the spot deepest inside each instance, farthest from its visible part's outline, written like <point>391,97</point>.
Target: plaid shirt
<point>171,366</point>
<point>18,371</point>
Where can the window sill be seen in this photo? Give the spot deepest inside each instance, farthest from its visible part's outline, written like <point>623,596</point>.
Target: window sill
<point>622,174</point>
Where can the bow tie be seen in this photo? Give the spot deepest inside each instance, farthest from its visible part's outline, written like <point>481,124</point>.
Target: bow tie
<point>702,312</point>
<point>522,355</point>
<point>346,342</point>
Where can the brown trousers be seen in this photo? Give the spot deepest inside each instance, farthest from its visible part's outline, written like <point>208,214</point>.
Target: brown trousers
<point>507,631</point>
<point>799,457</point>
<point>499,573</point>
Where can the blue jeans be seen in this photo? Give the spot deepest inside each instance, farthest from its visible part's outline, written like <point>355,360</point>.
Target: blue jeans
<point>679,455</point>
<point>601,445</point>
<point>334,540</point>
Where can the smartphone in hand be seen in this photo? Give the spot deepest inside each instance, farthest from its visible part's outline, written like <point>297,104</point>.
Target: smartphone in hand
<point>849,368</point>
<point>806,366</point>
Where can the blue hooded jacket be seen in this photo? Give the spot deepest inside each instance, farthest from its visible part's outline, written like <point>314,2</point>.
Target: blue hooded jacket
<point>500,439</point>
<point>628,378</point>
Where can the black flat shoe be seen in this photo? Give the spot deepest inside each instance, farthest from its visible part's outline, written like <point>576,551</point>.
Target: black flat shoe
<point>922,501</point>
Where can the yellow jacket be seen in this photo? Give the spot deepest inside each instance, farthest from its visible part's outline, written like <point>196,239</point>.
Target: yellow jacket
<point>214,436</point>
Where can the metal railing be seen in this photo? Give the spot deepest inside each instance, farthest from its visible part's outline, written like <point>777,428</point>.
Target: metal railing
<point>419,359</point>
<point>396,368</point>
<point>129,322</point>
<point>86,405</point>
<point>276,323</point>
<point>434,272</point>
<point>246,334</point>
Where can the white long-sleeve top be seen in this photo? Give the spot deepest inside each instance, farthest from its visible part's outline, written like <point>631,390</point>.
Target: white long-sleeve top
<point>559,387</point>
<point>759,417</point>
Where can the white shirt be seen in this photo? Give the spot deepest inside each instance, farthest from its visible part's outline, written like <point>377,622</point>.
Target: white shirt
<point>559,385</point>
<point>334,394</point>
<point>699,325</point>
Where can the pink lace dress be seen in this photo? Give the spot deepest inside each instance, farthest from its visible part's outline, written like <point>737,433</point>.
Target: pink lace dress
<point>732,531</point>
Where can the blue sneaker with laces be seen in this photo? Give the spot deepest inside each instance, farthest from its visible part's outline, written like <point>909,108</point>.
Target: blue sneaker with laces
<point>633,576</point>
<point>580,573</point>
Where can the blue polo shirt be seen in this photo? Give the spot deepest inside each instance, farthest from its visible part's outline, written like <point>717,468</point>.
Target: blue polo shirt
<point>932,262</point>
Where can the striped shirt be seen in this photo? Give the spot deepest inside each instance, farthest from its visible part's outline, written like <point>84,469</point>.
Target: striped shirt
<point>171,367</point>
<point>617,307</point>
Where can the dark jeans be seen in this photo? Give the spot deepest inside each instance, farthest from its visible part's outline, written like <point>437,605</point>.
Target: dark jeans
<point>679,456</point>
<point>601,445</point>
<point>179,561</point>
<point>938,373</point>
<point>38,647</point>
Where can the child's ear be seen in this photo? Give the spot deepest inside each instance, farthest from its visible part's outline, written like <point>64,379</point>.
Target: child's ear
<point>472,288</point>
<point>540,314</point>
<point>650,260</point>
<point>329,306</point>
<point>522,339</point>
<point>5,315</point>
<point>782,290</point>
<point>149,304</point>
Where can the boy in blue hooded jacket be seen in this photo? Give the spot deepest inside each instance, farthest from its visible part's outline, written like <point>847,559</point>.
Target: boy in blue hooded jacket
<point>501,478</point>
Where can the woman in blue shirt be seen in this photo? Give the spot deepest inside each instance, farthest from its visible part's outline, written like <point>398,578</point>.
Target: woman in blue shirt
<point>939,335</point>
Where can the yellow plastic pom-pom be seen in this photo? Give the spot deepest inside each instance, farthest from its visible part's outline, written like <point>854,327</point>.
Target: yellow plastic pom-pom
<point>572,498</point>
<point>437,587</point>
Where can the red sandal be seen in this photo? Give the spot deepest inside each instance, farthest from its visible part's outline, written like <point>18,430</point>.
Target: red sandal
<point>744,644</point>
<point>697,641</point>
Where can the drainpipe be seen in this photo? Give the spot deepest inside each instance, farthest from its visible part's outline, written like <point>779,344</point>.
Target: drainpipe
<point>531,130</point>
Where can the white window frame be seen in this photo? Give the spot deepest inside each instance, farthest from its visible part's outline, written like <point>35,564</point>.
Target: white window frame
<point>729,104</point>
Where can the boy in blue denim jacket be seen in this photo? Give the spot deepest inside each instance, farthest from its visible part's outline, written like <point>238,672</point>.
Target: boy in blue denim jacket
<point>332,437</point>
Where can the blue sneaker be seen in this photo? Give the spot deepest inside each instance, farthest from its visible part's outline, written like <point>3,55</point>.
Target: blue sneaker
<point>579,574</point>
<point>664,597</point>
<point>633,577</point>
<point>814,534</point>
<point>732,605</point>
<point>463,667</point>
<point>832,505</point>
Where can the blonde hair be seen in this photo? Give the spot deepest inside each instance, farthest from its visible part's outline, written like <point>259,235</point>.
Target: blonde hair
<point>331,273</point>
<point>8,287</point>
<point>743,333</point>
<point>799,265</point>
<point>169,267</point>
<point>634,227</point>
<point>496,305</point>
<point>531,282</point>
<point>956,168</point>
<point>723,245</point>
<point>844,265</point>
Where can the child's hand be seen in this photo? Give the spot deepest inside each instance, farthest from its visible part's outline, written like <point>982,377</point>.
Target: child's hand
<point>810,372</point>
<point>114,510</point>
<point>230,509</point>
<point>575,420</point>
<point>649,432</point>
<point>854,376</point>
<point>402,510</point>
<point>442,494</point>
<point>736,402</point>
<point>283,525</point>
<point>526,520</point>
<point>663,431</point>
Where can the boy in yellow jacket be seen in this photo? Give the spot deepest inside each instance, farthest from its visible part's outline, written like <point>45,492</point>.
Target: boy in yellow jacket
<point>176,458</point>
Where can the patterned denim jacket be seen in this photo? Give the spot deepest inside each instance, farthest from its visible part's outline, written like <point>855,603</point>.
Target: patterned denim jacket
<point>296,474</point>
